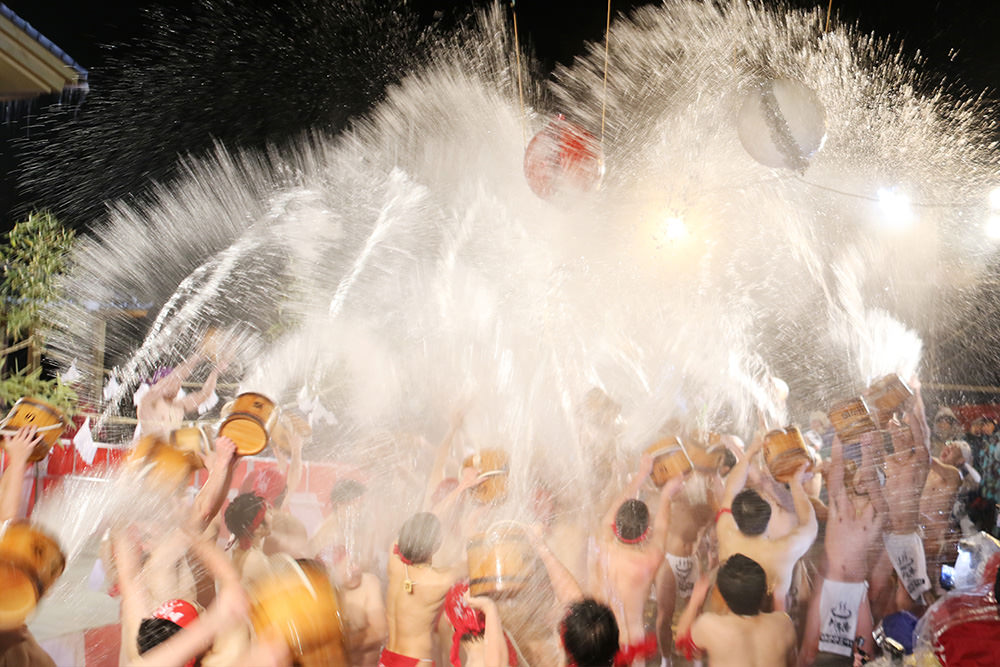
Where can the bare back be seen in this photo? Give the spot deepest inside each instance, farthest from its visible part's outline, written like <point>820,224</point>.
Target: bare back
<point>764,640</point>
<point>626,574</point>
<point>411,608</point>
<point>777,557</point>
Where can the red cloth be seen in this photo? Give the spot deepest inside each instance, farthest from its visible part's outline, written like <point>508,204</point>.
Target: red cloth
<point>686,644</point>
<point>267,483</point>
<point>724,510</point>
<point>395,550</point>
<point>971,644</point>
<point>181,612</point>
<point>467,620</point>
<point>390,659</point>
<point>638,651</point>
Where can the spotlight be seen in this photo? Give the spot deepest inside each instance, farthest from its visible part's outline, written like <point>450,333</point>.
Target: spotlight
<point>895,207</point>
<point>993,227</point>
<point>671,229</point>
<point>995,199</point>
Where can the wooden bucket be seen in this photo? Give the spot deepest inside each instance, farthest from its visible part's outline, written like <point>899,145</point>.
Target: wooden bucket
<point>297,601</point>
<point>887,396</point>
<point>500,562</point>
<point>160,463</point>
<point>784,452</point>
<point>851,419</point>
<point>707,456</point>
<point>493,466</point>
<point>43,416</point>
<point>30,562</point>
<point>248,421</point>
<point>669,460</point>
<point>193,441</point>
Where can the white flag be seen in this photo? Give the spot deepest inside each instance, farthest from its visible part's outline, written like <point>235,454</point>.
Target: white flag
<point>72,374</point>
<point>84,443</point>
<point>208,404</point>
<point>111,388</point>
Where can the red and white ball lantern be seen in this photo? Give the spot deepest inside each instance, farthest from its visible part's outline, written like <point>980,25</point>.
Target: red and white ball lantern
<point>563,157</point>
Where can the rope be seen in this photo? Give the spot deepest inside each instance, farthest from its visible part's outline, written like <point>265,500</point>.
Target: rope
<point>604,96</point>
<point>520,85</point>
<point>829,9</point>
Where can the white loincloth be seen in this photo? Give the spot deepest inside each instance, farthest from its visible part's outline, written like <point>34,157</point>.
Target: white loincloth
<point>838,607</point>
<point>907,555</point>
<point>685,569</point>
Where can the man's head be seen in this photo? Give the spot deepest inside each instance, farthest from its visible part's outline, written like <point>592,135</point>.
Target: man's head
<point>589,634</point>
<point>246,517</point>
<point>742,584</point>
<point>956,453</point>
<point>345,492</point>
<point>631,521</point>
<point>751,512</point>
<point>419,538</point>
<point>167,620</point>
<point>946,424</point>
<point>345,571</point>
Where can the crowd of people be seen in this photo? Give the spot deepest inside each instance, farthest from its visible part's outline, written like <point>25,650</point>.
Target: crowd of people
<point>721,563</point>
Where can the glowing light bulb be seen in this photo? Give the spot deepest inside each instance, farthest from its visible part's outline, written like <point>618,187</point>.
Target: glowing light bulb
<point>673,229</point>
<point>895,207</point>
<point>995,199</point>
<point>993,227</point>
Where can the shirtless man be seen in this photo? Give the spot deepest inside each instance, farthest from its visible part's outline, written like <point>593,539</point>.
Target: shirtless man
<point>906,463</point>
<point>856,515</point>
<point>416,589</point>
<point>746,637</point>
<point>248,518</point>
<point>631,553</point>
<point>742,524</point>
<point>160,411</point>
<point>936,503</point>
<point>691,512</point>
<point>362,609</point>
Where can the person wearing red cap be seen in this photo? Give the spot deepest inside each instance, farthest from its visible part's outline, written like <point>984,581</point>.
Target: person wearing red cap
<point>631,552</point>
<point>177,632</point>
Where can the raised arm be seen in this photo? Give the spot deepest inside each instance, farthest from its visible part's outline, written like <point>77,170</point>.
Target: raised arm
<point>193,400</point>
<point>661,523</point>
<point>171,384</point>
<point>212,495</point>
<point>835,477</point>
<point>685,623</point>
<point>869,477</point>
<point>737,477</point>
<point>495,652</point>
<point>804,512</point>
<point>442,455</point>
<point>564,584</point>
<point>17,448</point>
<point>133,598</point>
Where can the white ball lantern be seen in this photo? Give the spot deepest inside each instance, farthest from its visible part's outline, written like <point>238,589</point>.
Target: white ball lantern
<point>782,124</point>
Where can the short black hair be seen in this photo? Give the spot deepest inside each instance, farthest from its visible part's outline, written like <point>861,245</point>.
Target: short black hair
<point>153,632</point>
<point>345,491</point>
<point>420,537</point>
<point>631,519</point>
<point>742,584</point>
<point>751,512</point>
<point>590,634</point>
<point>241,512</point>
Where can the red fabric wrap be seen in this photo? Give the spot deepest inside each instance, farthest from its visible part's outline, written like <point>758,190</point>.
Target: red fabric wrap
<point>634,540</point>
<point>638,651</point>
<point>395,550</point>
<point>390,659</point>
<point>724,510</point>
<point>467,620</point>
<point>686,644</point>
<point>267,483</point>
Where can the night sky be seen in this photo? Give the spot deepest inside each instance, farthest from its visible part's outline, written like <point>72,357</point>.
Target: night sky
<point>558,28</point>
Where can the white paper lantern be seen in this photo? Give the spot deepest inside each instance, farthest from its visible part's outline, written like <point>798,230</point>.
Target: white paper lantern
<point>782,124</point>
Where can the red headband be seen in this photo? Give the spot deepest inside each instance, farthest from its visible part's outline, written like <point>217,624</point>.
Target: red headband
<point>634,540</point>
<point>395,550</point>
